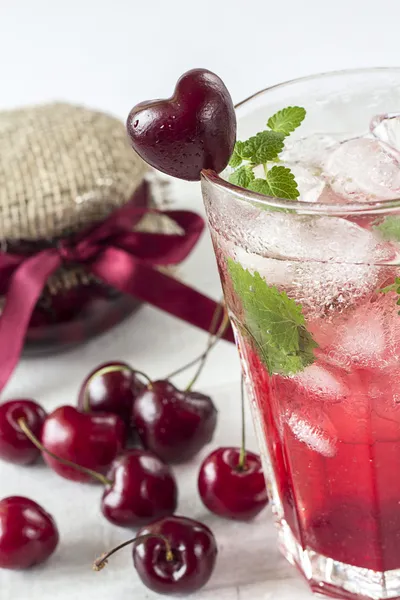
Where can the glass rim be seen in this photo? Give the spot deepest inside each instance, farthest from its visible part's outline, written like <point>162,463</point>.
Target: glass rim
<point>298,206</point>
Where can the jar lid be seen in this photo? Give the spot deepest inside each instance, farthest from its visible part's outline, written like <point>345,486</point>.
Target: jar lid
<point>62,168</point>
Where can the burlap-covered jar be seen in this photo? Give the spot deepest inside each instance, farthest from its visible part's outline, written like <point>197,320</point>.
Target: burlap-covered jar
<point>64,168</point>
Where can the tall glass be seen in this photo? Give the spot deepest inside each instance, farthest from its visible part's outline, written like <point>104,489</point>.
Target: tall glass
<point>327,416</point>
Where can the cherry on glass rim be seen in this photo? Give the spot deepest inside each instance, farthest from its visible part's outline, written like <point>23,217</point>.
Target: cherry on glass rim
<point>193,130</point>
<point>174,556</point>
<point>15,447</point>
<point>28,534</point>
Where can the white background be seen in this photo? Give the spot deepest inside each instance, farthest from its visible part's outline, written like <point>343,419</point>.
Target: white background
<point>110,55</point>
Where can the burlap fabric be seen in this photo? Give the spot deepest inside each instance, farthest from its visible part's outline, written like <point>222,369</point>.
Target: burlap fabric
<point>63,168</point>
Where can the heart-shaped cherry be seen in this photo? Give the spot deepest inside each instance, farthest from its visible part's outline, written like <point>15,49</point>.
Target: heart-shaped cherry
<point>173,424</point>
<point>90,440</point>
<point>15,447</point>
<point>195,129</point>
<point>111,387</point>
<point>28,534</point>
<point>143,489</point>
<point>229,489</point>
<point>174,556</point>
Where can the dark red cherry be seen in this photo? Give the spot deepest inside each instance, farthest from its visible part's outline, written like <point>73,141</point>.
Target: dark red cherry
<point>194,553</point>
<point>28,534</point>
<point>229,490</point>
<point>143,489</point>
<point>15,447</point>
<point>111,387</point>
<point>195,129</point>
<point>90,440</point>
<point>173,424</point>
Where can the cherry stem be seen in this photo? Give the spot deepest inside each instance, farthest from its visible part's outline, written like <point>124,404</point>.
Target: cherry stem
<point>98,476</point>
<point>146,377</point>
<point>242,456</point>
<point>104,371</point>
<point>212,341</point>
<point>102,561</point>
<point>99,373</point>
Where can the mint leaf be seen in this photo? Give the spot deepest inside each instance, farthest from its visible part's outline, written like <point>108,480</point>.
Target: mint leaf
<point>236,158</point>
<point>287,119</point>
<point>393,287</point>
<point>274,322</point>
<point>242,176</point>
<point>279,182</point>
<point>263,147</point>
<point>390,228</point>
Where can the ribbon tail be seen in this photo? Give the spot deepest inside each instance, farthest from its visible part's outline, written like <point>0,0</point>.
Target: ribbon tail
<point>25,288</point>
<point>122,271</point>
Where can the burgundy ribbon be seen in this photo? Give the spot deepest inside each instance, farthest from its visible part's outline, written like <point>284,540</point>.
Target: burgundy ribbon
<point>123,259</point>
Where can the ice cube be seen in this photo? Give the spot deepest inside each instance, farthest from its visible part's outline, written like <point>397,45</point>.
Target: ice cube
<point>386,128</point>
<point>311,425</point>
<point>367,336</point>
<point>325,263</point>
<point>310,184</point>
<point>310,152</point>
<point>323,384</point>
<point>360,339</point>
<point>362,169</point>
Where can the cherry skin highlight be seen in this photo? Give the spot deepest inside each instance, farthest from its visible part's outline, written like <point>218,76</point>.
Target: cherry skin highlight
<point>229,490</point>
<point>173,424</point>
<point>89,440</point>
<point>28,534</point>
<point>15,447</point>
<point>111,387</point>
<point>143,489</point>
<point>194,553</point>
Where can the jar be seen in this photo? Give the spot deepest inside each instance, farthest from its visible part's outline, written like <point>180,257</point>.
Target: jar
<point>65,168</point>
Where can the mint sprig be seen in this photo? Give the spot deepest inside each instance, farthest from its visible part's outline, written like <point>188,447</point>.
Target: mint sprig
<point>393,287</point>
<point>278,182</point>
<point>390,228</point>
<point>287,120</point>
<point>264,148</point>
<point>237,157</point>
<point>274,322</point>
<point>243,176</point>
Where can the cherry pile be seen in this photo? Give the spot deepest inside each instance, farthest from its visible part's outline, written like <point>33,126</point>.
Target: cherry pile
<point>124,433</point>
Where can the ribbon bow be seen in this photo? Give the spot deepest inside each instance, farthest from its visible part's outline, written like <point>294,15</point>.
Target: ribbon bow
<point>120,257</point>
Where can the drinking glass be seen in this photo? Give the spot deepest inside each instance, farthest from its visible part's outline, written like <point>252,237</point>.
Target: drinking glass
<point>320,342</point>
